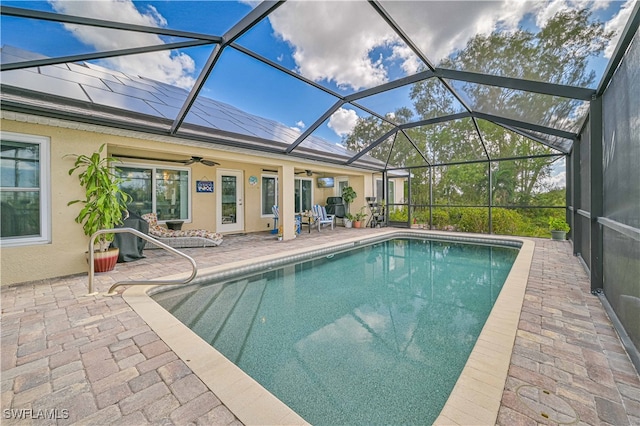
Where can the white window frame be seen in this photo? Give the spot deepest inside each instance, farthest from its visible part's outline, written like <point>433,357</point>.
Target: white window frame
<point>262,206</point>
<point>153,168</point>
<point>338,181</point>
<point>45,190</point>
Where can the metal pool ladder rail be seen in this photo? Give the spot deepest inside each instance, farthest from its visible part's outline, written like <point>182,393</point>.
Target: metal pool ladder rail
<point>194,267</point>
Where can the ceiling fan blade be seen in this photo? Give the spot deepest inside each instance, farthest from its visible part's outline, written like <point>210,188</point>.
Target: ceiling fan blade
<point>190,161</point>
<point>209,163</point>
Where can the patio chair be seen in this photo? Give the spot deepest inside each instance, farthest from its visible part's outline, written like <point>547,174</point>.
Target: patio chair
<point>276,217</point>
<point>322,217</point>
<point>179,238</point>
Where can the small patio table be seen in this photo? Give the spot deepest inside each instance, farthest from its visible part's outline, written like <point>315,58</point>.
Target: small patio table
<point>308,220</point>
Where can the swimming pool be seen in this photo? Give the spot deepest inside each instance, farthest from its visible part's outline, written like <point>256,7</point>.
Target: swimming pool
<point>363,351</point>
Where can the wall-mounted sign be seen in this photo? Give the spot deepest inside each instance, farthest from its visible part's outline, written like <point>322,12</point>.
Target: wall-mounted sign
<point>253,180</point>
<point>204,186</point>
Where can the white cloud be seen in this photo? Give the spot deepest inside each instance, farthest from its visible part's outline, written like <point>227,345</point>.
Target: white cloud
<point>343,121</point>
<point>617,24</point>
<point>299,126</point>
<point>163,66</point>
<point>441,27</point>
<point>332,41</point>
<point>557,179</point>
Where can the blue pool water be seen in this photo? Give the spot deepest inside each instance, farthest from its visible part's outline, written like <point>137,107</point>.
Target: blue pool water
<point>376,335</point>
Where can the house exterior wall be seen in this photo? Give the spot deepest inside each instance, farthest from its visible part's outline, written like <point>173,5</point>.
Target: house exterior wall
<point>64,254</point>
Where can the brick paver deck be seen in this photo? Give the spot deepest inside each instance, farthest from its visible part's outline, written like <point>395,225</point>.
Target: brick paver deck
<point>68,358</point>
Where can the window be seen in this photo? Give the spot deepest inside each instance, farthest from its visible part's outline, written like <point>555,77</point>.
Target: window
<point>164,191</point>
<point>269,190</point>
<point>342,184</point>
<point>24,191</point>
<point>380,190</point>
<point>303,195</point>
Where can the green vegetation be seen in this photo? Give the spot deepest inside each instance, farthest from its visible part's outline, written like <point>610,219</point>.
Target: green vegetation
<point>348,195</point>
<point>104,203</point>
<point>558,224</point>
<point>522,222</point>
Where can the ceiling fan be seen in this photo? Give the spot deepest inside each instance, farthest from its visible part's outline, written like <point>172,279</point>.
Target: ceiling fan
<point>201,160</point>
<point>307,172</point>
<point>192,160</point>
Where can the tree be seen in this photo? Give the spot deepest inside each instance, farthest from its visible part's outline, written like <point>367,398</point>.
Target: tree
<point>558,53</point>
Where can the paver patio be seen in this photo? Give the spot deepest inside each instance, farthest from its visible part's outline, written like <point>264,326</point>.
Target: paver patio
<point>68,358</point>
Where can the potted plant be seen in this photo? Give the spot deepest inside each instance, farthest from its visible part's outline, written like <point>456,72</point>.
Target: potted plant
<point>359,218</point>
<point>348,220</point>
<point>348,195</point>
<point>559,228</point>
<point>103,206</point>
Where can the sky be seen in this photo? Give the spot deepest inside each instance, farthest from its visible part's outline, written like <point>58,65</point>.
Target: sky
<point>342,45</point>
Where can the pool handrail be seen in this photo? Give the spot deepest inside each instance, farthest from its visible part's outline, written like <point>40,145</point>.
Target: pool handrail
<point>194,267</point>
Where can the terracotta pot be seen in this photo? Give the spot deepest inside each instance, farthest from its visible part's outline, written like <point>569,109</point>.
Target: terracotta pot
<point>357,224</point>
<point>105,261</point>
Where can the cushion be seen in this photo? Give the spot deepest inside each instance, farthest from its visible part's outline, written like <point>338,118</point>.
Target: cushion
<point>157,230</point>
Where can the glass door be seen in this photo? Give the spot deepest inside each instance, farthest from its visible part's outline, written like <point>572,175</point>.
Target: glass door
<point>229,200</point>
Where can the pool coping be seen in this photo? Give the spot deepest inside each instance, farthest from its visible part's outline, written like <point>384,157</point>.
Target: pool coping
<point>476,395</point>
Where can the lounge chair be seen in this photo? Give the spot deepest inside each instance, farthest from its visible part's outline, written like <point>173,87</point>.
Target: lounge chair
<point>180,239</point>
<point>322,217</point>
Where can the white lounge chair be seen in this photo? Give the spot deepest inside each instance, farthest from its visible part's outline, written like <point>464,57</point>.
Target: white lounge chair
<point>180,239</point>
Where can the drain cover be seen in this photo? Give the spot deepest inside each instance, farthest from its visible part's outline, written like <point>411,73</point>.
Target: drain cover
<point>546,405</point>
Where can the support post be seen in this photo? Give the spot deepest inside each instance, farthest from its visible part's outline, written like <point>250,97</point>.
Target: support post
<point>430,197</point>
<point>287,203</point>
<point>595,122</point>
<point>489,164</point>
<point>575,183</point>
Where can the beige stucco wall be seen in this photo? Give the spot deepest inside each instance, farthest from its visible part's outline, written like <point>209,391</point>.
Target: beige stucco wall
<point>65,253</point>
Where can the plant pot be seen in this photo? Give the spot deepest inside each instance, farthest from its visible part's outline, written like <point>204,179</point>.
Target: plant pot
<point>105,261</point>
<point>357,224</point>
<point>558,235</point>
<point>348,223</point>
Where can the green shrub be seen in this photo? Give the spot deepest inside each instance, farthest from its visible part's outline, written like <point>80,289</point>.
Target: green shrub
<point>398,214</point>
<point>474,219</point>
<point>440,218</point>
<point>507,222</point>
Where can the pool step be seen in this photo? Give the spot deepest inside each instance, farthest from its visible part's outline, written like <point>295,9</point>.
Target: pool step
<point>213,314</point>
<point>189,308</point>
<point>233,334</point>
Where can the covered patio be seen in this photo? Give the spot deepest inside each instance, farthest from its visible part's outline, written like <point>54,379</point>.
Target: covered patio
<point>95,361</point>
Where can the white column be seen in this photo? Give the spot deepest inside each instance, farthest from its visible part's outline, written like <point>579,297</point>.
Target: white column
<point>287,196</point>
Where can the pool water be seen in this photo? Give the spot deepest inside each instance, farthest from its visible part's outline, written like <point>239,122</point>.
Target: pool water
<point>375,335</point>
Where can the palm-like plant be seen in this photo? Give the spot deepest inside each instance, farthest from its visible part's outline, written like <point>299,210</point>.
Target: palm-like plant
<point>104,203</point>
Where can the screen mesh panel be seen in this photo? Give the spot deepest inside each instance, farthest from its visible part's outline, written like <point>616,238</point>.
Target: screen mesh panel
<point>621,150</point>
